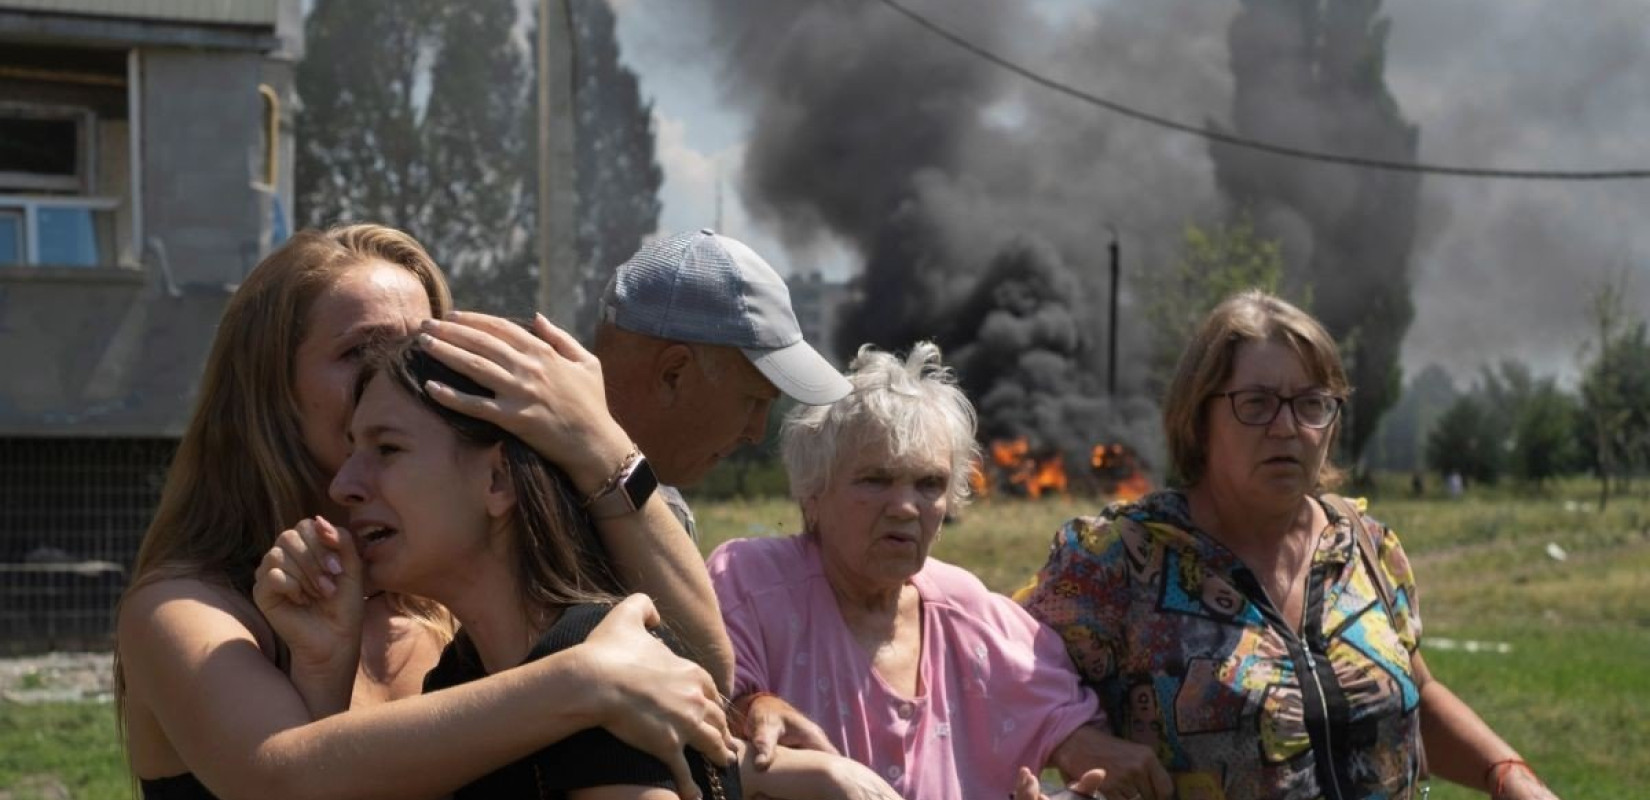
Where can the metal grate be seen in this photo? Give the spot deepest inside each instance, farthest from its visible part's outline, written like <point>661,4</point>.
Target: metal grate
<point>72,512</point>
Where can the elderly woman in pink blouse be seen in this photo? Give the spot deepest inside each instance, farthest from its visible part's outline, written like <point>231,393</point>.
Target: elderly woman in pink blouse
<point>927,683</point>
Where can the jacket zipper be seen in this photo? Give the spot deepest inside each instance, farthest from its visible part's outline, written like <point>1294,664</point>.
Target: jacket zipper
<point>1328,741</point>
<point>1300,654</point>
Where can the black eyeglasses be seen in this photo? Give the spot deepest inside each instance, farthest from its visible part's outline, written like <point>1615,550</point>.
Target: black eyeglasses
<point>1259,407</point>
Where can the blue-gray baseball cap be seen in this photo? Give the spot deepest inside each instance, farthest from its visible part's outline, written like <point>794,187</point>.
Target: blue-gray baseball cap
<point>710,289</point>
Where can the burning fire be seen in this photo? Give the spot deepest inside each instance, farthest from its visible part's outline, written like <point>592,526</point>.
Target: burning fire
<point>1032,476</point>
<point>1008,453</point>
<point>1119,472</point>
<point>1049,475</point>
<point>1009,465</point>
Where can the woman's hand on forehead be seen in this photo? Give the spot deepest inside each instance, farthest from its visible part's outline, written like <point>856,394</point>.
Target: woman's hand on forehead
<point>547,389</point>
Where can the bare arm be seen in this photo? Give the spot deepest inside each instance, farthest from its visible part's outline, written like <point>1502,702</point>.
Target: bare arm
<point>653,555</point>
<point>768,720</point>
<point>1461,747</point>
<point>548,391</point>
<point>309,589</point>
<point>1127,769</point>
<point>811,775</point>
<point>244,730</point>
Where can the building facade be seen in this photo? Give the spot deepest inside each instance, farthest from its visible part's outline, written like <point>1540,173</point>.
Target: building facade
<point>817,300</point>
<point>145,167</point>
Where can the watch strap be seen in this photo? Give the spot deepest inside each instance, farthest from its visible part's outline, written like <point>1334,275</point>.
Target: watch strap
<point>626,491</point>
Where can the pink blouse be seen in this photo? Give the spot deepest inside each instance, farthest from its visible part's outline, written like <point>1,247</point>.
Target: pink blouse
<point>999,691</point>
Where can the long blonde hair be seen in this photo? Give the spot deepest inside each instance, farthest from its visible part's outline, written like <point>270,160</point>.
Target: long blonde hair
<point>242,473</point>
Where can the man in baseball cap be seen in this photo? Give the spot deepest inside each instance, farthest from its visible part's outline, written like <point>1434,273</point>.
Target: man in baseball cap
<point>697,339</point>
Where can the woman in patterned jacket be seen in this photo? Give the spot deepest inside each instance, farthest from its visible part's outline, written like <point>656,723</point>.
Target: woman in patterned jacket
<point>1249,634</point>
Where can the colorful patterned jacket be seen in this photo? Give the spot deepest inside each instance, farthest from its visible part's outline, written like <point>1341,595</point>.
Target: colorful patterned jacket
<point>1190,658</point>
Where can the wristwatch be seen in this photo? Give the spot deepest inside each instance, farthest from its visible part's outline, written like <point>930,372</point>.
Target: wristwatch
<point>625,492</point>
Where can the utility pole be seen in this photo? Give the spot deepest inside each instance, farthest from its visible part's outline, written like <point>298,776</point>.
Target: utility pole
<point>719,199</point>
<point>559,289</point>
<point>1111,364</point>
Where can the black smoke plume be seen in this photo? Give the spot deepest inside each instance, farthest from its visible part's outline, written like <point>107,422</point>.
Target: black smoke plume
<point>980,210</point>
<point>1311,74</point>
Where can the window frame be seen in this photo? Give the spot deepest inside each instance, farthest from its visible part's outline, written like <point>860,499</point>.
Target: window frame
<point>30,205</point>
<point>22,217</point>
<point>85,177</point>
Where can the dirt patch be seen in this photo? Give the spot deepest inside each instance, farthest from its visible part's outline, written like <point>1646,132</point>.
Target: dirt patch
<point>57,677</point>
<point>37,787</point>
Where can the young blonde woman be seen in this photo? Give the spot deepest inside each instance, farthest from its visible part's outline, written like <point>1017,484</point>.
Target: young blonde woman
<point>210,701</point>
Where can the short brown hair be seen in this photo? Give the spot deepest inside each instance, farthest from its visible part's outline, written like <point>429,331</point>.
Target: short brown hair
<point>1206,363</point>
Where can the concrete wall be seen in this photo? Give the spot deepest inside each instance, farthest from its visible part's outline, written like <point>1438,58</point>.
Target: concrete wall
<point>202,124</point>
<point>119,351</point>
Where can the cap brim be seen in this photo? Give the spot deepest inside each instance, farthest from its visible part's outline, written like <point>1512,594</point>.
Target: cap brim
<point>802,373</point>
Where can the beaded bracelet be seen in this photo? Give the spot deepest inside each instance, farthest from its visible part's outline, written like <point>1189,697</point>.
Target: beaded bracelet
<point>613,479</point>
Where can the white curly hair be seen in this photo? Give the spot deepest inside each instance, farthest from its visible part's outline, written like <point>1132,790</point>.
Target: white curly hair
<point>908,404</point>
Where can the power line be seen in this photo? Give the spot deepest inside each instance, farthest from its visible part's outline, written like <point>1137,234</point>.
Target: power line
<point>1255,144</point>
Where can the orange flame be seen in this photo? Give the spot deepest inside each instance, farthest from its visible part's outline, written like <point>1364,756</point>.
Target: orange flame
<point>1009,465</point>
<point>1048,475</point>
<point>1119,472</point>
<point>1008,453</point>
<point>1132,488</point>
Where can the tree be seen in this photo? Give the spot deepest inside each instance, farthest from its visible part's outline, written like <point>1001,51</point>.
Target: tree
<point>480,150</point>
<point>361,143</point>
<point>1615,387</point>
<point>1214,263</point>
<point>619,175</point>
<point>1544,434</point>
<point>1466,441</point>
<point>419,114</point>
<point>1311,73</point>
<point>1400,443</point>
<point>412,117</point>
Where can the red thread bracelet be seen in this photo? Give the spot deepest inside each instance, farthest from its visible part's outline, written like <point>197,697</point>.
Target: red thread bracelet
<point>1499,771</point>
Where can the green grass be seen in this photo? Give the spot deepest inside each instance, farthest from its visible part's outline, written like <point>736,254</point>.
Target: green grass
<point>69,745</point>
<point>1573,695</point>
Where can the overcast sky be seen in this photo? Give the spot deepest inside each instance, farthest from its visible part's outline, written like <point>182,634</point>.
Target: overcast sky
<point>1501,269</point>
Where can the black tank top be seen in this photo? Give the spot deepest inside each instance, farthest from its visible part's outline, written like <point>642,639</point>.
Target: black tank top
<point>176,787</point>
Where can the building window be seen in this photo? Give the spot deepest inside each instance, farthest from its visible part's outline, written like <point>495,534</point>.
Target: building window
<point>57,231</point>
<point>48,214</point>
<point>69,236</point>
<point>11,237</point>
<point>44,149</point>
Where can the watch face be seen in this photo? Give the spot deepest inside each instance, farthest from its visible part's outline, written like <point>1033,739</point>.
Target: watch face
<point>641,483</point>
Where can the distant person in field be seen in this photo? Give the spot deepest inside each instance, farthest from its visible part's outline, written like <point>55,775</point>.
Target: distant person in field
<point>931,686</point>
<point>1250,634</point>
<point>697,339</point>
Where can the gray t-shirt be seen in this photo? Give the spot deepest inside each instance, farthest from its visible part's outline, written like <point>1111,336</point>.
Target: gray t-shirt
<point>679,507</point>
